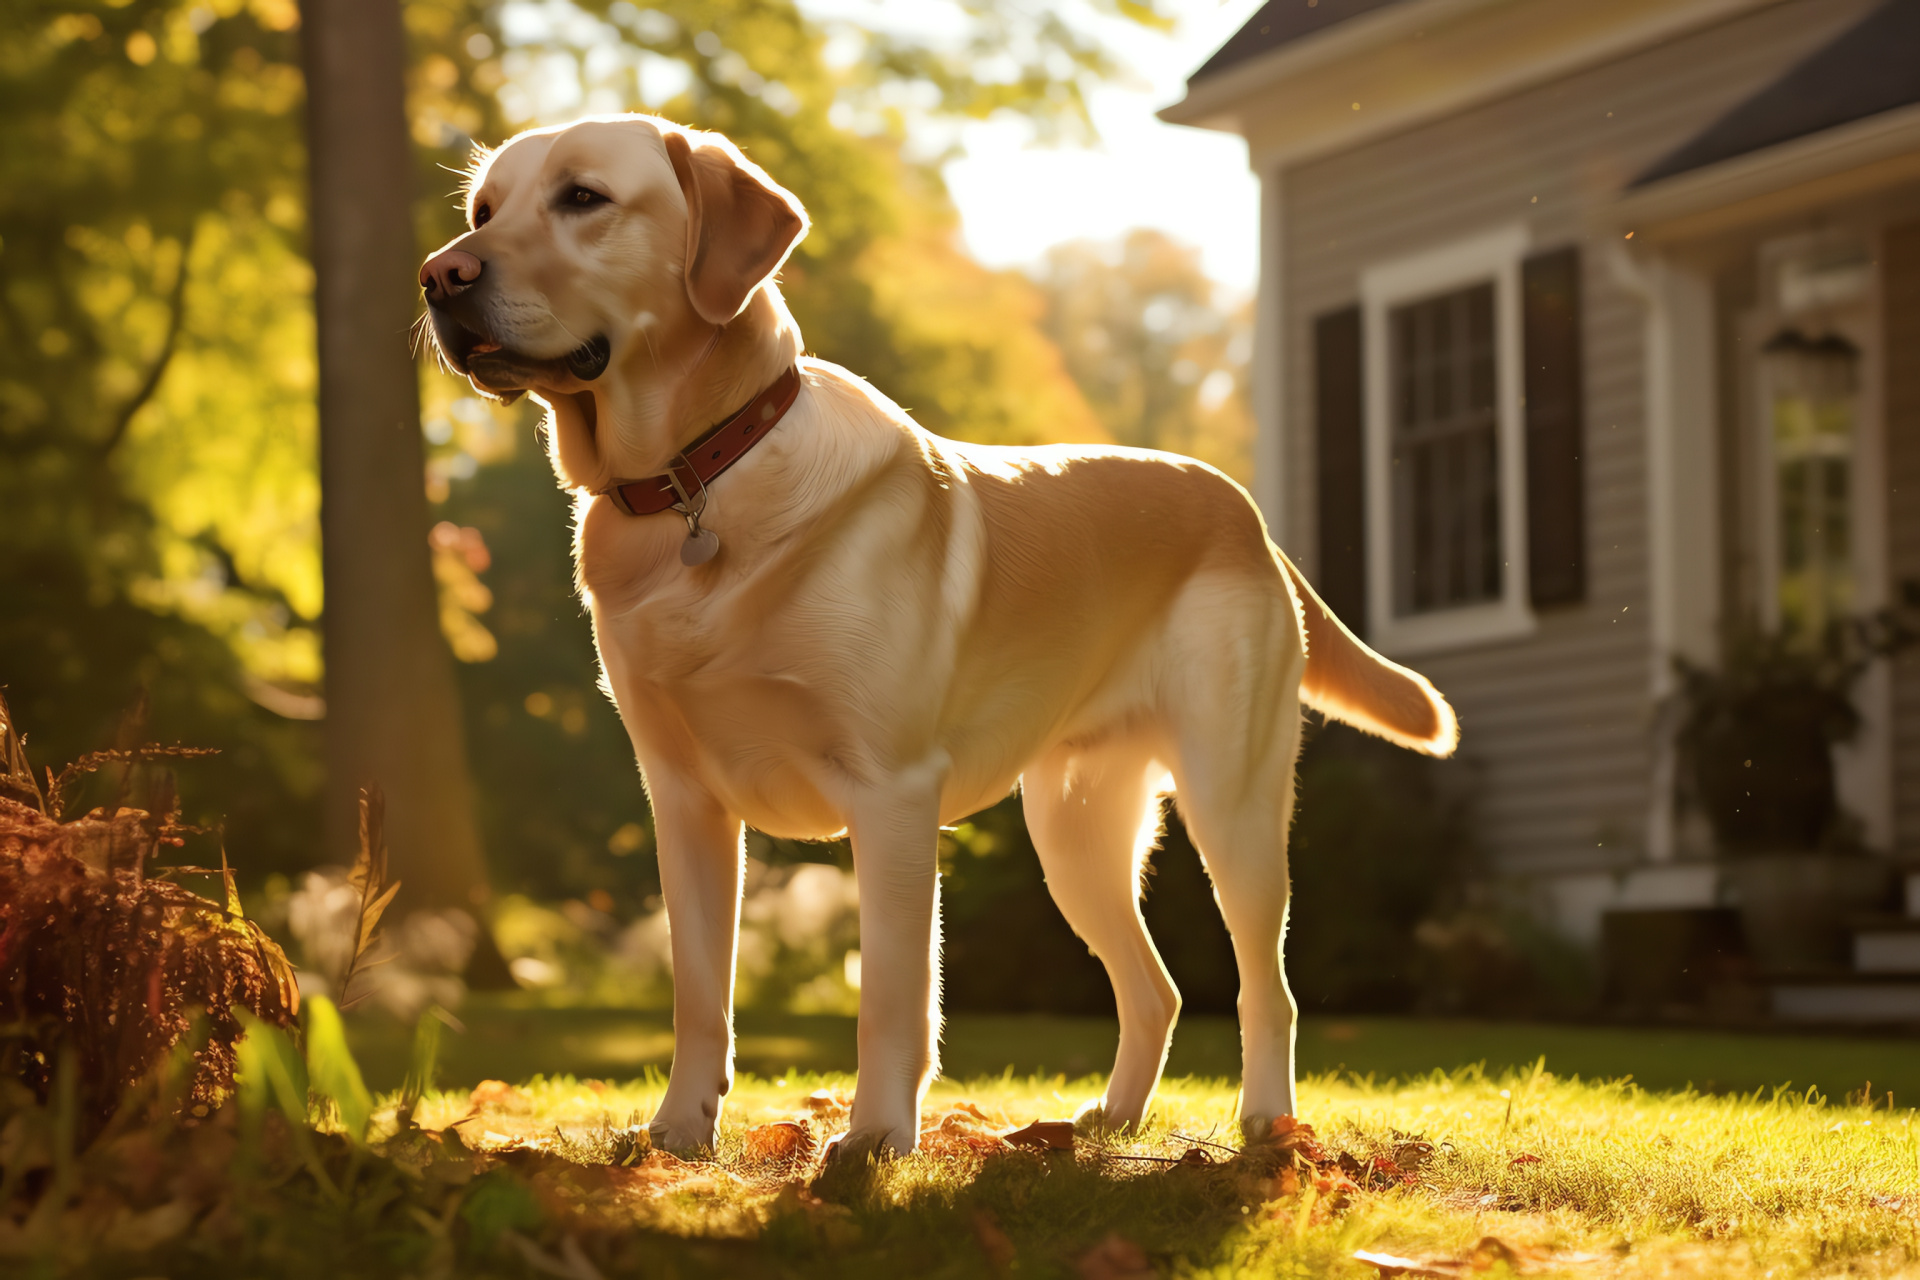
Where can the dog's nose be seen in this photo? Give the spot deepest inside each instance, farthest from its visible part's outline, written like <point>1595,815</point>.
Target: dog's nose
<point>450,273</point>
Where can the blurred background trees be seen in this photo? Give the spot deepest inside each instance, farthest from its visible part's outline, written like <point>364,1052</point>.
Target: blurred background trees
<point>159,479</point>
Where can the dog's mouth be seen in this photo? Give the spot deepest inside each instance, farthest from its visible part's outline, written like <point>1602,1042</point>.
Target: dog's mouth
<point>507,373</point>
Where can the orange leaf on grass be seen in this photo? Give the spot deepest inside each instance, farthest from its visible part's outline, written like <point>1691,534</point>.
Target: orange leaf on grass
<point>1043,1135</point>
<point>498,1095</point>
<point>780,1140</point>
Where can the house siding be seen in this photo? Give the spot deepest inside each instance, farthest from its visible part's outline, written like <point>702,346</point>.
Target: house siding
<point>1901,304</point>
<point>1558,728</point>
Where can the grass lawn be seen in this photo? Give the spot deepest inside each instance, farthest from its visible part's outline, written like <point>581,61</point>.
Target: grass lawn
<point>1460,1157</point>
<point>1425,1156</point>
<point>512,1040</point>
<point>1568,1178</point>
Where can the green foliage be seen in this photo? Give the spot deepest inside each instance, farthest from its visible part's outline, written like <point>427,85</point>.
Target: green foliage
<point>1756,736</point>
<point>1376,843</point>
<point>554,771</point>
<point>272,1074</point>
<point>496,1204</point>
<point>424,1062</point>
<point>331,1069</point>
<point>148,224</point>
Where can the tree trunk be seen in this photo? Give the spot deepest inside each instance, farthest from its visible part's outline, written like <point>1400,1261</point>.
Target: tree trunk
<point>393,712</point>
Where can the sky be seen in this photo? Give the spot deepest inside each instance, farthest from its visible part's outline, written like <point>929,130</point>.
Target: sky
<point>1016,200</point>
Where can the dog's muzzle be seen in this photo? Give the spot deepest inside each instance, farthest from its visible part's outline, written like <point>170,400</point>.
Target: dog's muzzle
<point>589,360</point>
<point>499,368</point>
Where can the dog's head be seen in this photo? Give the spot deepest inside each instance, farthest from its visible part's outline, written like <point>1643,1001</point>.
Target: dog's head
<point>603,257</point>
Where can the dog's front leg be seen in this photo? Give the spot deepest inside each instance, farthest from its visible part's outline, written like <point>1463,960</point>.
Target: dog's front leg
<point>896,841</point>
<point>700,868</point>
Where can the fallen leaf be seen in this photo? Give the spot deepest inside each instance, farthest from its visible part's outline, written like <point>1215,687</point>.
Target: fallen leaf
<point>961,1133</point>
<point>498,1095</point>
<point>1043,1135</point>
<point>1489,1253</point>
<point>1392,1265</point>
<point>781,1140</point>
<point>1411,1155</point>
<point>1293,1135</point>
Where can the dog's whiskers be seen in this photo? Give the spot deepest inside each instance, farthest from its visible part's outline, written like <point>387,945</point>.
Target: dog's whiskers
<point>417,335</point>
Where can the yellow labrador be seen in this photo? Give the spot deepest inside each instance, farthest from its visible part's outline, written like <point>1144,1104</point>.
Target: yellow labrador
<point>896,629</point>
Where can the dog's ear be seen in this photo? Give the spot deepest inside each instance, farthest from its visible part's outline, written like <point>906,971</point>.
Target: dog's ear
<point>741,225</point>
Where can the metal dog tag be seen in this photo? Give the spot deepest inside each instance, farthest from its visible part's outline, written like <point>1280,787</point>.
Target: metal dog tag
<point>700,547</point>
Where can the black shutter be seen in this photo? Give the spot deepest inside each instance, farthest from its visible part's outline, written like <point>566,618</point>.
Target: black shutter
<point>1341,434</point>
<point>1556,484</point>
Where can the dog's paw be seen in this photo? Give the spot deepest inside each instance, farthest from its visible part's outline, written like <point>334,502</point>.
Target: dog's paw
<point>850,1170</point>
<point>1096,1118</point>
<point>682,1137</point>
<point>864,1146</point>
<point>1258,1131</point>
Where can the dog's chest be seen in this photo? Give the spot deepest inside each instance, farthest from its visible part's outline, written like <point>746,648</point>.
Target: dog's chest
<point>736,696</point>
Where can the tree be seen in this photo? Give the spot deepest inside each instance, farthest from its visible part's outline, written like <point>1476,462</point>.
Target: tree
<point>160,501</point>
<point>1162,363</point>
<point>151,159</point>
<point>393,714</point>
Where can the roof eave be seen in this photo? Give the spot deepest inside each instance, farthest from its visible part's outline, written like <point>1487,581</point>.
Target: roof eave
<point>1418,61</point>
<point>1845,161</point>
<point>1209,102</point>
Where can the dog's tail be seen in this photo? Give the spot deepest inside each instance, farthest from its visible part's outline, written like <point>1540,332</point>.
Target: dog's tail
<point>1348,681</point>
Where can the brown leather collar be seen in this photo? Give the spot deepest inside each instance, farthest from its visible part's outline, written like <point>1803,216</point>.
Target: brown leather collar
<point>701,462</point>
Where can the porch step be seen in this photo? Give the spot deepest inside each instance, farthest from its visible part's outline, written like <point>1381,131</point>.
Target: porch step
<point>1848,998</point>
<point>1886,944</point>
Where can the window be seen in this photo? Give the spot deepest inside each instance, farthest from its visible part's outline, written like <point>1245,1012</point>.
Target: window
<point>1816,422</point>
<point>1446,457</point>
<point>1446,453</point>
<point>1811,408</point>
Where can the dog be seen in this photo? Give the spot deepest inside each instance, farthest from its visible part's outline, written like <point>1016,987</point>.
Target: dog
<point>861,628</point>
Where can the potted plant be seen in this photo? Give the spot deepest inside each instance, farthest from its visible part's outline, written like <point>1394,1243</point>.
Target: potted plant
<point>1756,738</point>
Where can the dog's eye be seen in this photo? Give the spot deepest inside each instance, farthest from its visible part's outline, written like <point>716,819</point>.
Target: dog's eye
<point>584,197</point>
<point>481,216</point>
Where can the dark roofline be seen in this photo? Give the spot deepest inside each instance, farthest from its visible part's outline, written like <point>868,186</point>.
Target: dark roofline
<point>1872,67</point>
<point>1281,22</point>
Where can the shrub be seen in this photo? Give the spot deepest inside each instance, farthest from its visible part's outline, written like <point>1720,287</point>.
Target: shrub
<point>109,965</point>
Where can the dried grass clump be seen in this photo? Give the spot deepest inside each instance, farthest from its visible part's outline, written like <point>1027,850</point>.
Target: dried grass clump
<point>109,965</point>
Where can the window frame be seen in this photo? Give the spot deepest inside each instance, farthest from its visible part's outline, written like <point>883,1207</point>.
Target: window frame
<point>1494,257</point>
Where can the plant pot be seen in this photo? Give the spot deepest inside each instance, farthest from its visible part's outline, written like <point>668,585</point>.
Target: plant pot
<point>1794,907</point>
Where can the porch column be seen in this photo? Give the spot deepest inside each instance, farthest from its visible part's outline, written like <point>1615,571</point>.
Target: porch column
<point>1683,501</point>
<point>1268,367</point>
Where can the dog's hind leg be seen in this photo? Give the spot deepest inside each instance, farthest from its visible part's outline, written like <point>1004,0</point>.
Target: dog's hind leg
<point>1239,735</point>
<point>1093,816</point>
